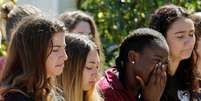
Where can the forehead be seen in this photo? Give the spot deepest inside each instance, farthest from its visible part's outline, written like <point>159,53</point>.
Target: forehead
<point>92,56</point>
<point>182,24</point>
<point>58,37</point>
<point>161,50</point>
<point>83,27</point>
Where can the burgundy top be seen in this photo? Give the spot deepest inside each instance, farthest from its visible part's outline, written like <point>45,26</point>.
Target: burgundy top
<point>112,89</point>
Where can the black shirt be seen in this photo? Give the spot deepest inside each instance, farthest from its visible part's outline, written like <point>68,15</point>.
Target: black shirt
<point>17,96</point>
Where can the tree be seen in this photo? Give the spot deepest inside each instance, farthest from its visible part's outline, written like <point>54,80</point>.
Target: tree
<point>116,18</point>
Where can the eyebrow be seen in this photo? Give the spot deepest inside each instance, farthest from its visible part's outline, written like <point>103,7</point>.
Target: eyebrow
<point>180,32</point>
<point>184,31</point>
<point>92,62</point>
<point>59,46</point>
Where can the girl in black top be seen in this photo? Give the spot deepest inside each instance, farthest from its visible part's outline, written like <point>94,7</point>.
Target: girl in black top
<point>36,54</point>
<point>178,28</point>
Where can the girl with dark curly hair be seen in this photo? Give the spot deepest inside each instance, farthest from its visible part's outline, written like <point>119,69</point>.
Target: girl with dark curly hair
<point>177,27</point>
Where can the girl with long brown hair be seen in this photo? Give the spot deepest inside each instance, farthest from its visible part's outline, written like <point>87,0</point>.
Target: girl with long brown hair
<point>36,54</point>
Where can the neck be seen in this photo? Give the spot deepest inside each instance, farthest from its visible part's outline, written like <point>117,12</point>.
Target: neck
<point>173,65</point>
<point>129,83</point>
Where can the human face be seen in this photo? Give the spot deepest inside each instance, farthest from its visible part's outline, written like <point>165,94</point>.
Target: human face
<point>181,39</point>
<point>147,60</point>
<point>55,60</point>
<point>90,71</point>
<point>82,27</point>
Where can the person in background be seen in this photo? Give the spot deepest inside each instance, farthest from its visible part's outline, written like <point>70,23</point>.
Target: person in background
<point>11,15</point>
<point>176,26</point>
<point>196,17</point>
<point>81,22</point>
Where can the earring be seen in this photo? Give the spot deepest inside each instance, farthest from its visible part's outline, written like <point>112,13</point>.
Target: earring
<point>133,62</point>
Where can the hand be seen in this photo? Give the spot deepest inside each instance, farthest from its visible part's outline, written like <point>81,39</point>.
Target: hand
<point>156,84</point>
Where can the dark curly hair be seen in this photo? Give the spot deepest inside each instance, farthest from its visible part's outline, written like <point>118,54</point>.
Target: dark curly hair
<point>161,20</point>
<point>197,23</point>
<point>165,16</point>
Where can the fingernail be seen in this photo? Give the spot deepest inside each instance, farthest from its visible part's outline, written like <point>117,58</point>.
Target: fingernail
<point>157,65</point>
<point>160,63</point>
<point>163,66</point>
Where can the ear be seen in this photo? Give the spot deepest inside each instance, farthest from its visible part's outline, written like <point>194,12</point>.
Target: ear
<point>132,56</point>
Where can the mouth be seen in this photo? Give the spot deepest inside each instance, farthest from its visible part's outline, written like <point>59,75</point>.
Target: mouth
<point>187,50</point>
<point>60,65</point>
<point>92,82</point>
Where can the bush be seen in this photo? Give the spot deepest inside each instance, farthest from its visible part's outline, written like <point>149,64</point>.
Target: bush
<point>116,18</point>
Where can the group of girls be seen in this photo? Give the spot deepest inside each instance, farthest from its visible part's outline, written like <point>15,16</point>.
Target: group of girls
<point>59,59</point>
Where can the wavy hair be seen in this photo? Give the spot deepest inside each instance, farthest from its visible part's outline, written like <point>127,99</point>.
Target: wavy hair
<point>27,54</point>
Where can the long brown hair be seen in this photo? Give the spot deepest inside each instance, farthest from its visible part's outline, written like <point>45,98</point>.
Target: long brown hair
<point>27,54</point>
<point>197,23</point>
<point>72,18</point>
<point>11,15</point>
<point>77,48</point>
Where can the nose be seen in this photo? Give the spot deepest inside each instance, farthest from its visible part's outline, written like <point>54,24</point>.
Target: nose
<point>189,42</point>
<point>65,56</point>
<point>94,73</point>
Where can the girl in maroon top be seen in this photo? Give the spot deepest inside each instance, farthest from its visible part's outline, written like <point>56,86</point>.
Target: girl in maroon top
<point>140,71</point>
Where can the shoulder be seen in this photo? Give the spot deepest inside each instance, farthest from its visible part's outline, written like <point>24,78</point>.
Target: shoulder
<point>106,82</point>
<point>107,89</point>
<point>15,96</point>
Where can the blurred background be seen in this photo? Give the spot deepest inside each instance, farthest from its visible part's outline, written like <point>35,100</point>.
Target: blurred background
<point>114,18</point>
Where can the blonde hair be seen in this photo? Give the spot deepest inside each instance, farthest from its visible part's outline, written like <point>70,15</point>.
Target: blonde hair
<point>71,78</point>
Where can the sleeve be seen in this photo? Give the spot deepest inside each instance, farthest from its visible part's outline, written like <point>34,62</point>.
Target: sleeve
<point>110,96</point>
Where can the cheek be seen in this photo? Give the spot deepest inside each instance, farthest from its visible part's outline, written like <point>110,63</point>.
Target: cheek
<point>85,79</point>
<point>50,65</point>
<point>86,75</point>
<point>148,71</point>
<point>175,46</point>
<point>51,61</point>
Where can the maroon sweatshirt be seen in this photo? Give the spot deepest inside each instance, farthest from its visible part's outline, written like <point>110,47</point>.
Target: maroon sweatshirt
<point>112,89</point>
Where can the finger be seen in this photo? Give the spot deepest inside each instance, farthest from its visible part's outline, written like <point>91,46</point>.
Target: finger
<point>164,78</point>
<point>141,81</point>
<point>159,74</point>
<point>153,76</point>
<point>164,67</point>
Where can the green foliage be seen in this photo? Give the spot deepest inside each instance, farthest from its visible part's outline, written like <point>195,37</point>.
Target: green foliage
<point>3,48</point>
<point>116,18</point>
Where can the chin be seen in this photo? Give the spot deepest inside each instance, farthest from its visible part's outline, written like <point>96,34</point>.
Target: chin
<point>185,57</point>
<point>172,71</point>
<point>58,73</point>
